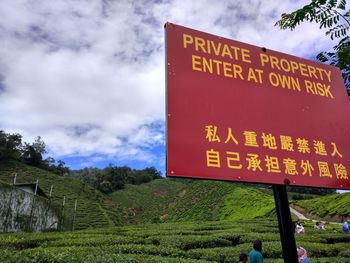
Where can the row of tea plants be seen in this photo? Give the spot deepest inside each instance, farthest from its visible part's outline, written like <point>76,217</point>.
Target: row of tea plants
<point>217,241</point>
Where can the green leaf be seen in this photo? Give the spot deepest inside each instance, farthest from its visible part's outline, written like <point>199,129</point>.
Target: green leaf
<point>342,4</point>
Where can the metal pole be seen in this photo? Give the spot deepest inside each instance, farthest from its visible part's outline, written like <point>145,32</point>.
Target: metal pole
<point>31,214</point>
<point>48,208</point>
<point>62,212</point>
<point>36,186</point>
<point>8,212</point>
<point>31,210</point>
<point>75,211</point>
<point>51,191</point>
<point>14,179</point>
<point>285,224</point>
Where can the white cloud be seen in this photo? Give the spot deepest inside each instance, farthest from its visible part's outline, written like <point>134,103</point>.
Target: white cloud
<point>88,76</point>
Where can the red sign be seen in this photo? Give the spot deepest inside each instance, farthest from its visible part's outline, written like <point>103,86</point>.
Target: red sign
<point>239,112</point>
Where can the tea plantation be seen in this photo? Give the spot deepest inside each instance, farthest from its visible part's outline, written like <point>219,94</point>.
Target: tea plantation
<point>94,208</point>
<point>171,242</point>
<point>169,221</point>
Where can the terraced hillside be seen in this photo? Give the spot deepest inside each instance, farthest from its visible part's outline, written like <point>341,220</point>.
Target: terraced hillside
<point>94,209</point>
<point>192,200</point>
<point>164,200</point>
<point>334,207</point>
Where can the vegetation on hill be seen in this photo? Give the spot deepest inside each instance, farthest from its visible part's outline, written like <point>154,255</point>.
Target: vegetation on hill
<point>192,200</point>
<point>246,203</point>
<point>106,180</point>
<point>113,178</point>
<point>149,202</point>
<point>12,148</point>
<point>183,242</point>
<point>94,209</point>
<point>331,207</point>
<point>161,200</point>
<point>310,190</point>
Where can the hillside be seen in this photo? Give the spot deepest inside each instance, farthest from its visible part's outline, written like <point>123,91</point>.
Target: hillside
<point>187,200</point>
<point>334,207</point>
<point>165,200</point>
<point>162,200</point>
<point>94,209</point>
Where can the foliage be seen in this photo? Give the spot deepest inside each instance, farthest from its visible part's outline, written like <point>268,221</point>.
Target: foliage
<point>149,202</point>
<point>32,154</point>
<point>201,200</point>
<point>172,200</point>
<point>328,206</point>
<point>161,200</point>
<point>333,16</point>
<point>106,180</point>
<point>310,190</point>
<point>252,204</point>
<point>113,178</point>
<point>94,209</point>
<point>12,148</point>
<point>176,242</point>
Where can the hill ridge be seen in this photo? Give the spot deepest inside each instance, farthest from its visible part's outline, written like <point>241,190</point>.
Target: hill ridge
<point>161,200</point>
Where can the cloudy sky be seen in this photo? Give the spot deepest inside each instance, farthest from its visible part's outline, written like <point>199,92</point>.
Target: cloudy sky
<point>88,75</point>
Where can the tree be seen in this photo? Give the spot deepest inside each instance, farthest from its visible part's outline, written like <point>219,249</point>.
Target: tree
<point>39,145</point>
<point>31,156</point>
<point>61,168</point>
<point>332,15</point>
<point>10,146</point>
<point>152,172</point>
<point>33,153</point>
<point>49,161</point>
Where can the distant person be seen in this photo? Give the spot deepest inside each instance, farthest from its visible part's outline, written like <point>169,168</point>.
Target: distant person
<point>346,227</point>
<point>317,225</point>
<point>243,258</point>
<point>255,256</point>
<point>323,225</point>
<point>299,228</point>
<point>302,255</point>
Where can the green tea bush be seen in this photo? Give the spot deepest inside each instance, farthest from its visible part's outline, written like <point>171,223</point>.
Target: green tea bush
<point>192,242</point>
<point>319,250</point>
<point>168,242</point>
<point>250,237</point>
<point>330,260</point>
<point>225,254</point>
<point>337,239</point>
<point>272,249</point>
<point>99,241</point>
<point>345,254</point>
<point>97,257</point>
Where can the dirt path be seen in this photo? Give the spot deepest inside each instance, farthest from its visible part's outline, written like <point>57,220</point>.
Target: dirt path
<point>297,214</point>
<point>302,217</point>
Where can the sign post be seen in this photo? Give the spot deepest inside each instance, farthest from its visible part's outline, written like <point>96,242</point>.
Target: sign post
<point>239,112</point>
<point>285,224</point>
